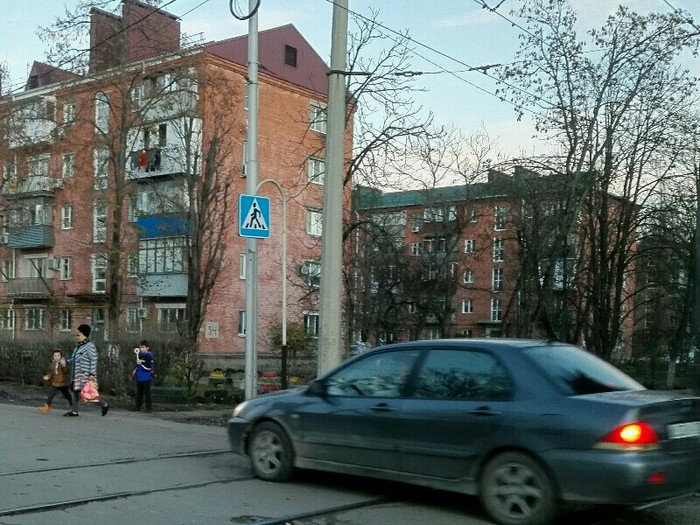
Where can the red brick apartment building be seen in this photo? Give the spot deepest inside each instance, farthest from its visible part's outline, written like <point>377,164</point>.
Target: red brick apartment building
<point>93,193</point>
<point>460,261</point>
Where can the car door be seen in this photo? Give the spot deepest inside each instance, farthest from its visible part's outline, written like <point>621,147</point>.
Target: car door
<point>353,423</point>
<point>453,413</point>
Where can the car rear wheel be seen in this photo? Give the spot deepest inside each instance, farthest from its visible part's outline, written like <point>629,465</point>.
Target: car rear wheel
<point>515,490</point>
<point>270,452</point>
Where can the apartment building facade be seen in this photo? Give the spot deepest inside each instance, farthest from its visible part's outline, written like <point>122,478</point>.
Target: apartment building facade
<point>102,172</point>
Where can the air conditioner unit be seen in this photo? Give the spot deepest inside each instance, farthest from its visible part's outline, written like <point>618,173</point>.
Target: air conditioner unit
<point>54,263</point>
<point>143,313</point>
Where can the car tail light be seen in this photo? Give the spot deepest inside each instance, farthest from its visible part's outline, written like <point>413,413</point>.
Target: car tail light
<point>631,436</point>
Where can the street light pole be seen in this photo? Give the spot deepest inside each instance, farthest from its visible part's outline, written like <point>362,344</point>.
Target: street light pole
<point>330,349</point>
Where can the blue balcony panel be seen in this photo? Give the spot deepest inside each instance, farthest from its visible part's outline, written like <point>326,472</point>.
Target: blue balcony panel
<point>155,226</point>
<point>36,236</point>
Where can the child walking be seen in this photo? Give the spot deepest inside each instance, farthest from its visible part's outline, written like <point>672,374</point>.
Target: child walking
<point>59,380</point>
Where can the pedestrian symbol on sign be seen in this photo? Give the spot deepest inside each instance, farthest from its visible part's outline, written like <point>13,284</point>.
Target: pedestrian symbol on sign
<point>254,216</point>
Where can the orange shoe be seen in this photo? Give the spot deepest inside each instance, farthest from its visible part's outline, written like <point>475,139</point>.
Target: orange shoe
<point>45,409</point>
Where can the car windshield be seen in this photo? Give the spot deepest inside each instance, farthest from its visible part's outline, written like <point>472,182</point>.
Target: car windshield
<point>577,372</point>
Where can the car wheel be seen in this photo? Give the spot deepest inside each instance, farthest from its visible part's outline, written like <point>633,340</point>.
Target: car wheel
<point>270,452</point>
<point>515,490</point>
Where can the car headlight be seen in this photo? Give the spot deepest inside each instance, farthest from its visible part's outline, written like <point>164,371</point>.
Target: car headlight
<point>239,408</point>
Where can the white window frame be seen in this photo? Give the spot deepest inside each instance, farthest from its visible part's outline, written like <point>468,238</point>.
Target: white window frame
<point>99,222</point>
<point>499,249</point>
<point>242,323</point>
<point>496,310</point>
<point>242,266</point>
<point>101,168</point>
<point>7,321</point>
<point>497,279</point>
<point>318,117</point>
<point>65,268</point>
<point>314,222</point>
<point>33,318</point>
<point>469,245</point>
<point>67,217</point>
<point>416,249</point>
<point>8,270</point>
<point>468,276</point>
<point>311,273</point>
<point>133,320</point>
<point>467,306</point>
<point>68,113</point>
<point>98,269</point>
<point>500,214</point>
<point>175,314</point>
<point>65,320</point>
<point>311,323</point>
<point>101,113</point>
<point>68,166</point>
<point>316,170</point>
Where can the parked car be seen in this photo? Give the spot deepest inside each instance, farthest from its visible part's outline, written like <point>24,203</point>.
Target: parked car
<point>525,425</point>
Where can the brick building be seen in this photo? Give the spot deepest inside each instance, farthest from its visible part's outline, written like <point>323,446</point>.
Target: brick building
<point>101,173</point>
<point>475,260</point>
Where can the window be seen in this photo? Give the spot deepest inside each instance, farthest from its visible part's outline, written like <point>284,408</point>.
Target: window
<point>101,160</point>
<point>99,222</point>
<point>469,245</point>
<point>497,279</point>
<point>498,249</point>
<point>461,374</point>
<point>68,170</point>
<point>433,215</point>
<point>381,374</point>
<point>38,166</point>
<point>8,270</point>
<point>7,320</point>
<point>467,333</point>
<point>133,320</point>
<point>318,117</point>
<point>314,222</point>
<point>40,215</point>
<point>165,255</point>
<point>415,249</point>
<point>169,318</point>
<point>496,310</point>
<point>434,245</point>
<point>416,222</point>
<point>311,323</point>
<point>65,269</point>
<point>66,217</point>
<point>290,56</point>
<point>241,322</point>
<point>242,266</point>
<point>99,273</point>
<point>473,215</point>
<point>467,306</point>
<point>412,308</point>
<point>311,272</point>
<point>101,113</point>
<point>98,321</point>
<point>66,320</point>
<point>499,218</point>
<point>34,319</point>
<point>468,277</point>
<point>68,113</point>
<point>132,212</point>
<point>316,170</point>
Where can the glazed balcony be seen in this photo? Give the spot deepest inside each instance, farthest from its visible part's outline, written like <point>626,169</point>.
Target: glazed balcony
<point>30,288</point>
<point>154,162</point>
<point>30,186</point>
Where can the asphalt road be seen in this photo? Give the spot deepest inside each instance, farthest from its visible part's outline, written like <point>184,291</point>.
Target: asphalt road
<point>129,468</point>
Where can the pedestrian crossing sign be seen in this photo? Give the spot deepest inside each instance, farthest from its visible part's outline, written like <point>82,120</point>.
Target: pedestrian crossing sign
<point>254,216</point>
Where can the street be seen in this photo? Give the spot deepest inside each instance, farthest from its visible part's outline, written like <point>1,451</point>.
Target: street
<point>130,468</point>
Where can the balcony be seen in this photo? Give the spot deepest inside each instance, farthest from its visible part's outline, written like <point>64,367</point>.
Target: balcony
<point>162,285</point>
<point>34,236</point>
<point>30,288</point>
<point>30,186</point>
<point>154,162</point>
<point>34,124</point>
<point>169,105</point>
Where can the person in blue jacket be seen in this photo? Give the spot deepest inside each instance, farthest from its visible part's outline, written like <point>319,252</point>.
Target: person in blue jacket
<point>143,374</point>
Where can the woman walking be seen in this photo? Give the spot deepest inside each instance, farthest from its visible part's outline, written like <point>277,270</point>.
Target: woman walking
<point>84,367</point>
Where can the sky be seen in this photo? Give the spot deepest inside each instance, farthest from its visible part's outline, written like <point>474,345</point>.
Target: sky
<point>450,35</point>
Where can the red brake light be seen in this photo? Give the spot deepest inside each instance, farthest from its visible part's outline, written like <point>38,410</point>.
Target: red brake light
<point>631,436</point>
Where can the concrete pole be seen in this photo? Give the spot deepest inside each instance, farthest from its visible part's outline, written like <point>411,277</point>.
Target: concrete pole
<point>251,325</point>
<point>330,349</point>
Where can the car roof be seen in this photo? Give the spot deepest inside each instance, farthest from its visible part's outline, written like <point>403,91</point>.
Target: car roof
<point>490,343</point>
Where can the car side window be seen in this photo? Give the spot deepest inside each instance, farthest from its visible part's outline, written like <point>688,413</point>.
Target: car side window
<point>377,375</point>
<point>462,374</point>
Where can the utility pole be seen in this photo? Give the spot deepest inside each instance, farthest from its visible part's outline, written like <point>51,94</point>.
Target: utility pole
<point>330,349</point>
<point>251,312</point>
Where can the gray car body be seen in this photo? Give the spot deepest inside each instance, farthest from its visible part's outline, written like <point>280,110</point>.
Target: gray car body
<point>448,448</point>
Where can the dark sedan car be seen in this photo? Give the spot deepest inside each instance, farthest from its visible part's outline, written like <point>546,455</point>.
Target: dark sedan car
<point>524,425</point>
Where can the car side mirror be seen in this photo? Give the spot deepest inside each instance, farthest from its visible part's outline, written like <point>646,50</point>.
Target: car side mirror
<point>317,388</point>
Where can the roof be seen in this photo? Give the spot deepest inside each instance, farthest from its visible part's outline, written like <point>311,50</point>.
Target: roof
<point>44,74</point>
<point>371,199</point>
<point>311,71</point>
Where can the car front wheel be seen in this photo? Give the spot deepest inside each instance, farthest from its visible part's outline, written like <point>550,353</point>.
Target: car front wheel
<point>515,490</point>
<point>270,452</point>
